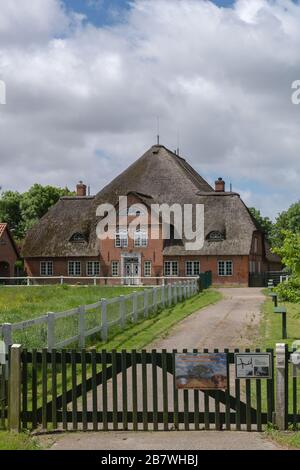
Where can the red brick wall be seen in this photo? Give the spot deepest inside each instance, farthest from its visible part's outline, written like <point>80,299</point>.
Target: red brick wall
<point>210,263</point>
<point>7,255</point>
<point>60,265</point>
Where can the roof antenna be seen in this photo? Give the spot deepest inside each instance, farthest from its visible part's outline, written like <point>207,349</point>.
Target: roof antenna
<point>231,187</point>
<point>178,141</point>
<point>157,130</point>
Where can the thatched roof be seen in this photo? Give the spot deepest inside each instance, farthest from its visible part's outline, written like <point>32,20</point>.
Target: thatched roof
<point>158,176</point>
<point>51,235</point>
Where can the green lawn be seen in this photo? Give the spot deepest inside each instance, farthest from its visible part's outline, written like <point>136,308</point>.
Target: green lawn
<point>22,303</point>
<point>271,333</point>
<point>13,441</point>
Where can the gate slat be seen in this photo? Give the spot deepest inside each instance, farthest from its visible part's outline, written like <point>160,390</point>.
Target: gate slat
<point>114,389</point>
<point>270,389</point>
<point>2,395</point>
<point>54,388</point>
<point>24,389</point>
<point>94,390</point>
<point>175,394</point>
<point>104,389</point>
<point>74,395</point>
<point>206,405</point>
<point>248,401</point>
<point>258,402</point>
<point>145,390</point>
<point>64,389</point>
<point>238,400</point>
<point>84,394</point>
<point>186,404</point>
<point>34,389</point>
<point>217,406</point>
<point>44,388</point>
<point>124,390</point>
<point>227,394</point>
<point>134,390</point>
<point>196,404</point>
<point>165,389</point>
<point>154,390</point>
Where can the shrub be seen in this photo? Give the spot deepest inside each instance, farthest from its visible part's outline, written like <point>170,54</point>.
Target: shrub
<point>289,290</point>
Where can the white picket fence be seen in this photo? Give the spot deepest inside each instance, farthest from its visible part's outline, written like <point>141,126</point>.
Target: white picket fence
<point>59,330</point>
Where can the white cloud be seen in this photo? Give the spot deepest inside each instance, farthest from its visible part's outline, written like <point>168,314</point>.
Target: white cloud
<point>82,101</point>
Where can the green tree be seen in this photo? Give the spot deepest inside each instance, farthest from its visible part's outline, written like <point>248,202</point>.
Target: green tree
<point>289,251</point>
<point>265,223</point>
<point>10,211</point>
<point>22,211</point>
<point>286,220</point>
<point>37,201</point>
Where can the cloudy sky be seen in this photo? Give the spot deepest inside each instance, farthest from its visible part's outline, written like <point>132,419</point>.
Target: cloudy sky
<point>86,80</point>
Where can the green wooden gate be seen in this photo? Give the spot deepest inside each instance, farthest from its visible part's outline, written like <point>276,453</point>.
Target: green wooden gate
<point>3,396</point>
<point>86,390</point>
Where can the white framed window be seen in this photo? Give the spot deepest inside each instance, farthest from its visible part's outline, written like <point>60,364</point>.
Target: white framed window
<point>115,268</point>
<point>225,268</point>
<point>147,268</point>
<point>74,268</point>
<point>192,268</point>
<point>140,239</point>
<point>46,268</point>
<point>93,268</point>
<point>121,240</point>
<point>171,268</point>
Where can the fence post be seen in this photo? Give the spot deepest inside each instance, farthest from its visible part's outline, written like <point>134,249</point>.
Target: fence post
<point>184,290</point>
<point>162,296</point>
<point>61,280</point>
<point>180,291</point>
<point>95,281</point>
<point>14,393</point>
<point>281,408</point>
<point>7,335</point>
<point>169,295</point>
<point>81,326</point>
<point>146,307</point>
<point>154,299</point>
<point>134,305</point>
<point>28,281</point>
<point>51,330</point>
<point>104,325</point>
<point>122,311</point>
<point>175,293</point>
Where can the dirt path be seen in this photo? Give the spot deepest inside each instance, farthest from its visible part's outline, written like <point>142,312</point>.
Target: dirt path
<point>230,323</point>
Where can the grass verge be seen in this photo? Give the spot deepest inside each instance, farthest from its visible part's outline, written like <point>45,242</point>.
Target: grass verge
<point>22,441</point>
<point>289,439</point>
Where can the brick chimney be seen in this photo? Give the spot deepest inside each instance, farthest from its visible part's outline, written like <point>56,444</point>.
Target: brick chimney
<point>220,185</point>
<point>81,189</point>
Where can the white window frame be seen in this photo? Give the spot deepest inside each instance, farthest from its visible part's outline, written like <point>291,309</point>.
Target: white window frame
<point>113,265</point>
<point>140,239</point>
<point>46,272</point>
<point>74,271</point>
<point>93,271</point>
<point>121,239</point>
<point>192,271</point>
<point>224,262</point>
<point>170,271</point>
<point>148,269</point>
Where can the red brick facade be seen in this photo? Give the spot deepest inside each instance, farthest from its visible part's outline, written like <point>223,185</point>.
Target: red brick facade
<point>8,253</point>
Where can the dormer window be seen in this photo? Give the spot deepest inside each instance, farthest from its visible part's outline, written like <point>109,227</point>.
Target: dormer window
<point>215,236</point>
<point>78,238</point>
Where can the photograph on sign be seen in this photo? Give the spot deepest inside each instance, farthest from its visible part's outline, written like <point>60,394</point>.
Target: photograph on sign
<point>201,371</point>
<point>253,366</point>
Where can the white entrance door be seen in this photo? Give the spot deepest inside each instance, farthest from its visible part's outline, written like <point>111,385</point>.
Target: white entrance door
<point>131,272</point>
